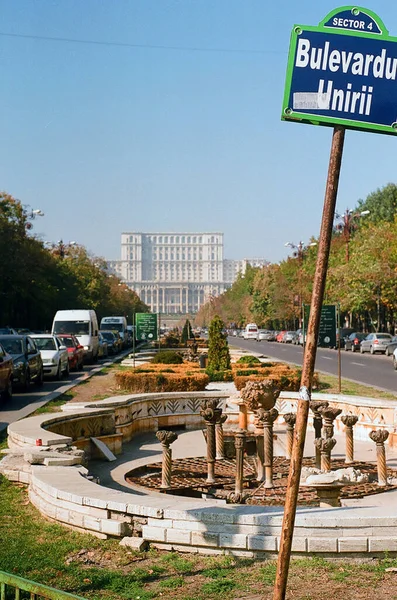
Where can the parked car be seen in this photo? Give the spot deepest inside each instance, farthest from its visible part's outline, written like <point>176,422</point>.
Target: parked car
<point>269,336</point>
<point>375,342</point>
<point>261,334</point>
<point>395,359</point>
<point>111,341</point>
<point>8,331</point>
<point>352,342</point>
<point>103,346</point>
<point>280,336</point>
<point>6,374</point>
<point>75,350</point>
<point>392,346</point>
<point>289,337</point>
<point>250,331</point>
<point>344,333</point>
<point>28,365</point>
<point>53,353</point>
<point>295,341</point>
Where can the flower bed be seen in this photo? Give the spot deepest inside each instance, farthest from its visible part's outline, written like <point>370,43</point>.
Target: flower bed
<point>288,378</point>
<point>186,377</point>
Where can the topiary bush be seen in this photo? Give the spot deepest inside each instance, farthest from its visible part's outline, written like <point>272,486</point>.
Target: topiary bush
<point>218,348</point>
<point>167,357</point>
<point>221,375</point>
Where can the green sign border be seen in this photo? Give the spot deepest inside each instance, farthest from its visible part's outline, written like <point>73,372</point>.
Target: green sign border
<point>288,114</point>
<point>151,326</point>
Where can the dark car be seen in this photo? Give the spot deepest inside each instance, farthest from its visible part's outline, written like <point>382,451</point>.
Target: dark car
<point>353,341</point>
<point>344,333</point>
<point>392,346</point>
<point>28,365</point>
<point>6,373</point>
<point>112,342</point>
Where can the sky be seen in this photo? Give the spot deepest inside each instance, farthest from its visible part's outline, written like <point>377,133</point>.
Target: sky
<point>167,118</point>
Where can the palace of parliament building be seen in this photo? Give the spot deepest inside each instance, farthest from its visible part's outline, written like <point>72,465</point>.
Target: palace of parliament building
<point>176,273</point>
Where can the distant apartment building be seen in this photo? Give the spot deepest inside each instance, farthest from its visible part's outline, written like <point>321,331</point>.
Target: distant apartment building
<point>176,272</point>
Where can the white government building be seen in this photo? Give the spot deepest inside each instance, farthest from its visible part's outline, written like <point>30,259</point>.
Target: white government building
<point>176,273</point>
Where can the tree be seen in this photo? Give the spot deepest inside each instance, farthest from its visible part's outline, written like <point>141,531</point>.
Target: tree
<point>218,347</point>
<point>382,205</point>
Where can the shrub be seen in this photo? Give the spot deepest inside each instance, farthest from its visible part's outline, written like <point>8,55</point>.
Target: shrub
<point>170,341</point>
<point>219,375</point>
<point>131,381</point>
<point>248,360</point>
<point>218,348</point>
<point>286,377</point>
<point>247,372</point>
<point>167,357</point>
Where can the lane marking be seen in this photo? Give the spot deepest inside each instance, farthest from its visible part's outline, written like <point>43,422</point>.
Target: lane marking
<point>326,357</point>
<point>358,364</point>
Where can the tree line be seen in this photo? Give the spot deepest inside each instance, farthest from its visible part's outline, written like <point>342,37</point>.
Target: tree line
<point>36,281</point>
<point>361,278</point>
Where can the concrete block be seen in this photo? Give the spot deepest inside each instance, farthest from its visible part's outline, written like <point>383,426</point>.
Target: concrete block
<point>178,536</point>
<point>76,519</point>
<point>153,533</point>
<point>203,538</point>
<point>261,542</point>
<point>322,544</point>
<point>145,511</point>
<point>353,544</point>
<point>227,540</point>
<point>117,528</point>
<point>92,524</point>
<point>164,523</point>
<point>70,497</point>
<point>62,515</point>
<point>135,543</point>
<point>317,532</point>
<point>382,544</point>
<point>117,506</point>
<point>189,525</point>
<point>95,502</point>
<point>299,544</point>
<point>24,477</point>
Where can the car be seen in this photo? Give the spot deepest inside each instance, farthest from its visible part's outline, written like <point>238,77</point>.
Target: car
<point>6,374</point>
<point>280,335</point>
<point>375,342</point>
<point>344,332</point>
<point>8,331</point>
<point>250,331</point>
<point>269,336</point>
<point>352,342</point>
<point>261,334</point>
<point>289,337</point>
<point>103,347</point>
<point>395,359</point>
<point>53,353</point>
<point>111,340</point>
<point>75,350</point>
<point>392,346</point>
<point>27,361</point>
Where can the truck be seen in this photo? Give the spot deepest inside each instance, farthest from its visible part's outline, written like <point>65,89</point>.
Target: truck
<point>116,324</point>
<point>82,323</point>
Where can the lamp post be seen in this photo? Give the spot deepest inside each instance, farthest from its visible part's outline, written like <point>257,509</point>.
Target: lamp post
<point>60,248</point>
<point>347,224</point>
<point>299,253</point>
<point>31,216</point>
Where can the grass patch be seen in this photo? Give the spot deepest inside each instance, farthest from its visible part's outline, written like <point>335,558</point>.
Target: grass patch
<point>53,405</point>
<point>329,384</point>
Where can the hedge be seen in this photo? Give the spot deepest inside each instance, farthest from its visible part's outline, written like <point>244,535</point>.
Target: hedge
<point>288,378</point>
<point>161,381</point>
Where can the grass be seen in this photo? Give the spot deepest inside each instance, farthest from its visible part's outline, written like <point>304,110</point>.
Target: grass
<point>329,384</point>
<point>103,570</point>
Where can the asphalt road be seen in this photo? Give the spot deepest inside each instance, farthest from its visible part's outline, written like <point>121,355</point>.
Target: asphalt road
<point>376,370</point>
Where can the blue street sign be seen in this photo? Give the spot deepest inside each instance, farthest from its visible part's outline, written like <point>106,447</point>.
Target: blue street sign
<point>343,72</point>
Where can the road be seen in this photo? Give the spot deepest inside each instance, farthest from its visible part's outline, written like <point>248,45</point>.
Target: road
<point>376,371</point>
<point>24,404</point>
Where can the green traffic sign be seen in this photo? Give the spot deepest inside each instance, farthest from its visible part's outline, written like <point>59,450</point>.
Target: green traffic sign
<point>146,326</point>
<point>343,72</point>
<point>328,325</point>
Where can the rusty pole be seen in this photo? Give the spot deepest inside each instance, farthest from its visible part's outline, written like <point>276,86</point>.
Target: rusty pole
<point>309,360</point>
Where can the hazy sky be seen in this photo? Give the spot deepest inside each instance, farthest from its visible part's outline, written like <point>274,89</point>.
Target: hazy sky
<point>172,123</point>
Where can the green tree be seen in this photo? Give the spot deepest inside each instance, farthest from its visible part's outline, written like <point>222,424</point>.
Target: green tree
<point>185,333</point>
<point>382,205</point>
<point>218,347</point>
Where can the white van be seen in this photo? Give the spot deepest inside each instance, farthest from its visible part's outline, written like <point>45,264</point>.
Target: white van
<point>116,324</point>
<point>84,325</point>
<point>250,331</point>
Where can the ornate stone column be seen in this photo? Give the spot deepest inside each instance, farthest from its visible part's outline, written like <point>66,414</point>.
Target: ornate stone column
<point>240,444</point>
<point>166,438</point>
<point>211,414</point>
<point>315,405</point>
<point>269,416</point>
<point>260,447</point>
<point>220,446</point>
<point>290,419</point>
<point>379,437</point>
<point>329,415</point>
<point>242,415</point>
<point>325,446</point>
<point>349,421</point>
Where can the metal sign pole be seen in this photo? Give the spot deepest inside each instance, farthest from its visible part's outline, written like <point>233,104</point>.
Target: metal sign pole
<point>339,354</point>
<point>308,363</point>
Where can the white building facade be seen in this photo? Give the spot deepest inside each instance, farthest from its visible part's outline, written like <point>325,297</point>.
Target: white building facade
<point>175,273</point>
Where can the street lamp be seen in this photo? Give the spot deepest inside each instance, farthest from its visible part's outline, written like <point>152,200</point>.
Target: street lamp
<point>347,224</point>
<point>299,250</point>
<point>60,248</point>
<point>31,215</point>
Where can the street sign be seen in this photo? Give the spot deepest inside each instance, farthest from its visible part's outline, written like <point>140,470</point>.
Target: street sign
<point>146,326</point>
<point>343,72</point>
<point>328,325</point>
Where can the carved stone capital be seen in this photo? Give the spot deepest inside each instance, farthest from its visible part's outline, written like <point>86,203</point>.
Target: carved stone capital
<point>379,436</point>
<point>349,420</point>
<point>269,416</point>
<point>329,413</point>
<point>260,394</point>
<point>239,439</point>
<point>210,411</point>
<point>290,419</point>
<point>166,437</point>
<point>316,404</point>
<point>325,445</point>
<point>221,419</point>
